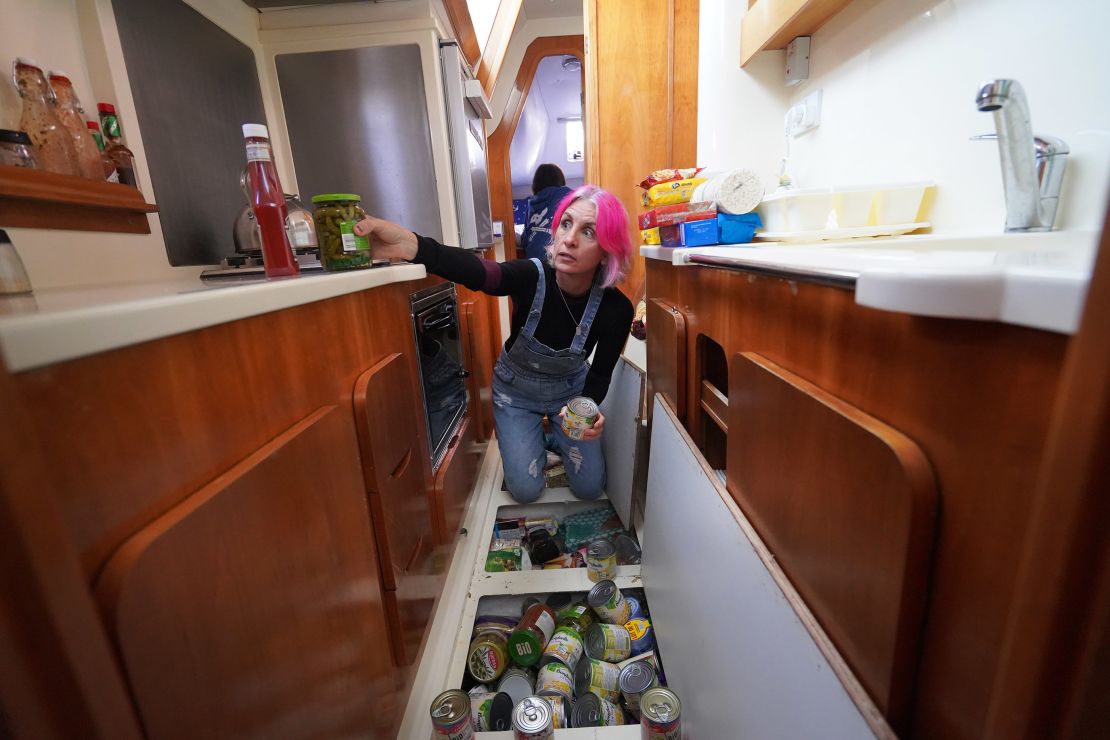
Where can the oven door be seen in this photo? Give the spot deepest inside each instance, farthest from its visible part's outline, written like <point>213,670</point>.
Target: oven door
<point>435,325</point>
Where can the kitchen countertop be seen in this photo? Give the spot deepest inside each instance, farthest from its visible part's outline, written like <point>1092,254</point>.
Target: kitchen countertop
<point>56,325</point>
<point>1037,280</point>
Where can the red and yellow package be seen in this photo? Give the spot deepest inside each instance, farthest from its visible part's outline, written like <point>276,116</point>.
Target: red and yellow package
<point>668,175</point>
<point>677,213</point>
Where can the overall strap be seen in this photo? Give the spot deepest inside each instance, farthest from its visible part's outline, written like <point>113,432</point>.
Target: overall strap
<point>583,331</point>
<point>536,309</point>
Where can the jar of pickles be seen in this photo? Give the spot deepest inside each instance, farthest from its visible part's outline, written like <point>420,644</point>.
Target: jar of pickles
<point>335,215</point>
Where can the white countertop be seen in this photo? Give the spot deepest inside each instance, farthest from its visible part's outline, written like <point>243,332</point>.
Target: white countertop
<point>1037,279</point>
<point>55,325</point>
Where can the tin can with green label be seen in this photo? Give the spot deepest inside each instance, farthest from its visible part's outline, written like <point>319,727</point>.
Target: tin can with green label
<point>335,215</point>
<point>580,415</point>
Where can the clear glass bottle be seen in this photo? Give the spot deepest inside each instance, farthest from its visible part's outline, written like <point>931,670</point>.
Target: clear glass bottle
<point>106,163</point>
<point>53,143</point>
<point>113,145</point>
<point>267,201</point>
<point>88,156</point>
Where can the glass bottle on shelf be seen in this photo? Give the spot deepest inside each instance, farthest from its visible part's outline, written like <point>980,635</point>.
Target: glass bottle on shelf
<point>106,163</point>
<point>53,142</point>
<point>113,144</point>
<point>88,156</point>
<point>267,201</point>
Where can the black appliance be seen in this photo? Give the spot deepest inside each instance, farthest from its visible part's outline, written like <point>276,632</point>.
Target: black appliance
<point>435,326</point>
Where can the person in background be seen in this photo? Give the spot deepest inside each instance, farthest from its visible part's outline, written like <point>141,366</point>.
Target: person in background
<point>565,307</point>
<point>549,187</point>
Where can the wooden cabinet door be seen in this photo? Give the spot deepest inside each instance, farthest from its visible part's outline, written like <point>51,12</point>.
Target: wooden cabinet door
<point>666,355</point>
<point>454,482</point>
<point>386,410</point>
<point>474,321</point>
<point>848,506</point>
<point>253,609</point>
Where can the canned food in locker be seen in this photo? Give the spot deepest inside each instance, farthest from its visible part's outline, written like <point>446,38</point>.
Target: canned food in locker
<point>491,711</point>
<point>643,638</point>
<point>660,715</point>
<point>555,679</point>
<point>559,711</point>
<point>608,642</point>
<point>597,676</point>
<point>635,608</point>
<point>601,560</point>
<point>530,637</point>
<point>565,646</point>
<point>517,683</point>
<point>487,657</point>
<point>592,710</point>
<point>578,616</point>
<point>635,679</point>
<point>532,720</point>
<point>580,415</point>
<point>606,599</point>
<point>451,718</point>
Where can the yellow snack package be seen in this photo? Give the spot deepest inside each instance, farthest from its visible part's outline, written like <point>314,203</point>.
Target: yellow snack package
<point>650,236</point>
<point>676,191</point>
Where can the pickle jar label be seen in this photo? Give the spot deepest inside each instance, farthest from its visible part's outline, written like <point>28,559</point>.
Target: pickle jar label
<point>351,241</point>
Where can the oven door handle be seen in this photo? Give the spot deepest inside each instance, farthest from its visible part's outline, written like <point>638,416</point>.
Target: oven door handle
<point>440,322</point>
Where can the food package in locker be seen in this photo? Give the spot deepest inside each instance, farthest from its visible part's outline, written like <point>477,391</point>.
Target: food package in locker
<point>677,191</point>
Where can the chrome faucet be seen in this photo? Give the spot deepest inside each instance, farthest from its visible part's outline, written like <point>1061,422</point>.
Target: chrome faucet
<point>1032,166</point>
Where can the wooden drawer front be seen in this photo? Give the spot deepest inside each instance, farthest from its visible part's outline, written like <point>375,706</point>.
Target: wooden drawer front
<point>848,507</point>
<point>666,355</point>
<point>474,323</point>
<point>389,439</point>
<point>409,608</point>
<point>253,608</point>
<point>454,482</point>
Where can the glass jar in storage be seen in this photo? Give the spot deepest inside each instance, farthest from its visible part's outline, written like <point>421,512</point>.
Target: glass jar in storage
<point>335,215</point>
<point>16,149</point>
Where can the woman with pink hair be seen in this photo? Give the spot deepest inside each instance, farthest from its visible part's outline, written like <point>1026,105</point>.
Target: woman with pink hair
<point>564,309</point>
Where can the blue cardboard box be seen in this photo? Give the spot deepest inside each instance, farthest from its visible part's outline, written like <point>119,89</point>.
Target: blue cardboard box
<point>698,233</point>
<point>737,229</point>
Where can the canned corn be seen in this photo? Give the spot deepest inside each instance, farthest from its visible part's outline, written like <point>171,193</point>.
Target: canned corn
<point>606,599</point>
<point>580,415</point>
<point>565,646</point>
<point>608,642</point>
<point>592,710</point>
<point>635,679</point>
<point>601,561</point>
<point>597,676</point>
<point>555,679</point>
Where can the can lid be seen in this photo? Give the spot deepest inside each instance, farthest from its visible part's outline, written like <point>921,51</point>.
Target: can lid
<point>560,600</point>
<point>660,705</point>
<point>600,548</point>
<point>525,647</point>
<point>600,593</point>
<point>594,640</point>
<point>532,714</point>
<point>516,684</point>
<point>106,108</point>
<point>14,137</point>
<point>450,706</point>
<point>637,677</point>
<point>501,712</point>
<point>330,197</point>
<point>587,711</point>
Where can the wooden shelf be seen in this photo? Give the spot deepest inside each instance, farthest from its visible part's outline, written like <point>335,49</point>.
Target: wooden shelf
<point>45,200</point>
<point>772,24</point>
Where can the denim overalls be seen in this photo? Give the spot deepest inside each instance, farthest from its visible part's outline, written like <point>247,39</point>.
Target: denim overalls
<point>531,380</point>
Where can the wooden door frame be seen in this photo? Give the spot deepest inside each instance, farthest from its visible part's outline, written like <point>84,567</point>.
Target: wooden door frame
<point>500,176</point>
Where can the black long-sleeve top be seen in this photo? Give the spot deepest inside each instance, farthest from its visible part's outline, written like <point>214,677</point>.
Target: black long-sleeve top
<point>517,279</point>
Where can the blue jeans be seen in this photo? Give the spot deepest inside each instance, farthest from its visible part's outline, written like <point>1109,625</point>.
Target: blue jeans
<point>519,405</point>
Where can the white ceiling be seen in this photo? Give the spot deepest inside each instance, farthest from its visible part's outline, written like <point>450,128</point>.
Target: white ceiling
<point>555,93</point>
<point>560,89</point>
<point>553,8</point>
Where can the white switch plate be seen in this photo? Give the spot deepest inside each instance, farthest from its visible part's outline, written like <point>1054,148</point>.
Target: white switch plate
<point>805,115</point>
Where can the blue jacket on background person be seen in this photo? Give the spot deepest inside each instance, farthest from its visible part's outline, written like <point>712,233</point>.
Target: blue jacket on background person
<point>549,186</point>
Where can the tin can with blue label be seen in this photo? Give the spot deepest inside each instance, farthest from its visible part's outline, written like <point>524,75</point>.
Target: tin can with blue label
<point>637,609</point>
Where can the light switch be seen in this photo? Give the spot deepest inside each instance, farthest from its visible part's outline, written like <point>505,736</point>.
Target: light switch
<point>805,115</point>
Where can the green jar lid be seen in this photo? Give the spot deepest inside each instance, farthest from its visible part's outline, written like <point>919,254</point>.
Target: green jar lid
<point>330,197</point>
<point>525,647</point>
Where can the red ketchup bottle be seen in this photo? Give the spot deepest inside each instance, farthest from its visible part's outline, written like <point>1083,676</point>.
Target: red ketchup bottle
<point>268,203</point>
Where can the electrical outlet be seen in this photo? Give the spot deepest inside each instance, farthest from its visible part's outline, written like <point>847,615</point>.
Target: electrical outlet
<point>805,115</point>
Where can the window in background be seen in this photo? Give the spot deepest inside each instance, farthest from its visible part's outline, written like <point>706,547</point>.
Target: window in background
<point>482,15</point>
<point>576,140</point>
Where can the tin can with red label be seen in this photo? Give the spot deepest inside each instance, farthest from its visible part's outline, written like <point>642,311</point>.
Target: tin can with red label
<point>660,715</point>
<point>451,719</point>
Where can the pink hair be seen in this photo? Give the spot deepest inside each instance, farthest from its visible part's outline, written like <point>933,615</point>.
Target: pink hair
<point>611,226</point>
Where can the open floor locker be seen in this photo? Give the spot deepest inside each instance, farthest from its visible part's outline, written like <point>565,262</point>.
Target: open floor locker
<point>738,645</point>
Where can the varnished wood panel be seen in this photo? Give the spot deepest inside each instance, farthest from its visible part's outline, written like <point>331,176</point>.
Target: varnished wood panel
<point>252,608</point>
<point>58,673</point>
<point>642,111</point>
<point>975,396</point>
<point>772,24</point>
<point>454,482</point>
<point>142,427</point>
<point>666,354</point>
<point>392,474</point>
<point>497,152</point>
<point>474,323</point>
<point>1054,680</point>
<point>848,506</point>
<point>459,14</point>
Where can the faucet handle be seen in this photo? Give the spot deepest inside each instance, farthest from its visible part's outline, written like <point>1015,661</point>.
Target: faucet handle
<point>983,137</point>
